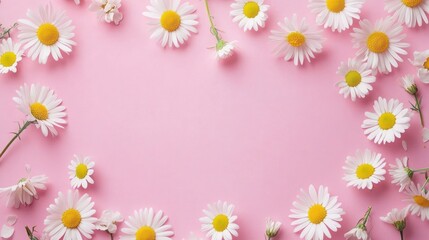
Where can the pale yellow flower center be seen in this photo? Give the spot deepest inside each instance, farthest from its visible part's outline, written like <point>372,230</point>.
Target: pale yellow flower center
<point>71,218</point>
<point>353,78</point>
<point>39,111</point>
<point>336,6</point>
<point>251,9</point>
<point>365,171</point>
<point>421,201</point>
<point>426,64</point>
<point>317,213</point>
<point>81,171</point>
<point>170,20</point>
<point>7,59</point>
<point>295,39</point>
<point>220,222</point>
<point>411,3</point>
<point>48,34</point>
<point>145,233</point>
<point>378,42</point>
<point>386,121</point>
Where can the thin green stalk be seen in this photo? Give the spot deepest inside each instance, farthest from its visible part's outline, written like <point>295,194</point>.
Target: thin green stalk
<point>213,29</point>
<point>421,170</point>
<point>365,218</point>
<point>402,234</point>
<point>424,185</point>
<point>21,129</point>
<point>419,109</point>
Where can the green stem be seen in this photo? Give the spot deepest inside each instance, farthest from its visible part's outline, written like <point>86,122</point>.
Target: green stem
<point>21,129</point>
<point>421,170</point>
<point>424,185</point>
<point>402,234</point>
<point>213,29</point>
<point>419,109</point>
<point>365,218</point>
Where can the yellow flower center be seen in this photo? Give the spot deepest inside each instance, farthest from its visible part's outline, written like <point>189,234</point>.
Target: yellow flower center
<point>251,9</point>
<point>336,6</point>
<point>411,3</point>
<point>39,111</point>
<point>386,121</point>
<point>421,201</point>
<point>378,42</point>
<point>81,171</point>
<point>426,64</point>
<point>220,222</point>
<point>295,39</point>
<point>353,78</point>
<point>48,34</point>
<point>7,59</point>
<point>317,213</point>
<point>365,171</point>
<point>71,218</point>
<point>170,20</point>
<point>145,233</point>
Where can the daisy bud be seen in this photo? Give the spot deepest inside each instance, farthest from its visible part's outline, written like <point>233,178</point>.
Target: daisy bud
<point>272,228</point>
<point>409,84</point>
<point>224,49</point>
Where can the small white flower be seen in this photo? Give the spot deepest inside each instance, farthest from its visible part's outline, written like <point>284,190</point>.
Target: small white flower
<point>397,218</point>
<point>409,85</point>
<point>272,228</point>
<point>107,10</point>
<point>410,12</point>
<point>419,201</point>
<point>401,173</point>
<point>219,222</point>
<point>81,169</point>
<point>421,61</point>
<point>107,221</point>
<point>224,49</point>
<point>10,55</point>
<point>357,233</point>
<point>251,14</point>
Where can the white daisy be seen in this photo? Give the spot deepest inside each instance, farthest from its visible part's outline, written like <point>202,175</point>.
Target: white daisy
<point>419,201</point>
<point>146,225</point>
<point>381,44</point>
<point>272,228</point>
<point>224,49</point>
<point>421,61</point>
<point>107,10</point>
<point>219,222</point>
<point>316,213</point>
<point>357,79</point>
<point>10,55</point>
<point>388,122</point>
<point>25,191</point>
<point>402,175</point>
<point>172,22</point>
<point>70,217</point>
<point>108,220</point>
<point>397,218</point>
<point>357,233</point>
<point>45,33</point>
<point>364,169</point>
<point>250,14</point>
<point>81,169</point>
<point>42,107</point>
<point>409,85</point>
<point>296,40</point>
<point>410,12</point>
<point>336,14</point>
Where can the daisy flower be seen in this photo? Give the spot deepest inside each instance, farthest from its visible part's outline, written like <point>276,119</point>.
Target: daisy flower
<point>45,33</point>
<point>419,201</point>
<point>272,228</point>
<point>357,79</point>
<point>224,49</point>
<point>410,12</point>
<point>397,218</point>
<point>25,191</point>
<point>172,22</point>
<point>107,10</point>
<point>364,169</point>
<point>336,14</point>
<point>360,231</point>
<point>146,225</point>
<point>81,169</point>
<point>421,61</point>
<point>388,122</point>
<point>316,213</point>
<point>219,222</point>
<point>296,40</point>
<point>10,55</point>
<point>411,88</point>
<point>381,44</point>
<point>70,217</point>
<point>402,175</point>
<point>249,14</point>
<point>108,221</point>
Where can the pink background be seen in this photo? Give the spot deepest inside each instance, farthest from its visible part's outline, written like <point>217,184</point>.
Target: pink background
<point>174,129</point>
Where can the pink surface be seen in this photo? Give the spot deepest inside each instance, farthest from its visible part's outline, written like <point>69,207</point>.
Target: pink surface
<point>174,129</point>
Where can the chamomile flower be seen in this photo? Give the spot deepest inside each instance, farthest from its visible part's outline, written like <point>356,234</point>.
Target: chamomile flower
<point>336,14</point>
<point>397,218</point>
<point>172,21</point>
<point>42,107</point>
<point>70,217</point>
<point>364,169</point>
<point>10,55</point>
<point>388,122</point>
<point>107,10</point>
<point>421,61</point>
<point>108,220</point>
<point>316,214</point>
<point>402,175</point>
<point>147,225</point>
<point>380,44</point>
<point>410,12</point>
<point>357,79</point>
<point>250,14</point>
<point>419,201</point>
<point>81,169</point>
<point>224,49</point>
<point>46,33</point>
<point>219,222</point>
<point>296,40</point>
